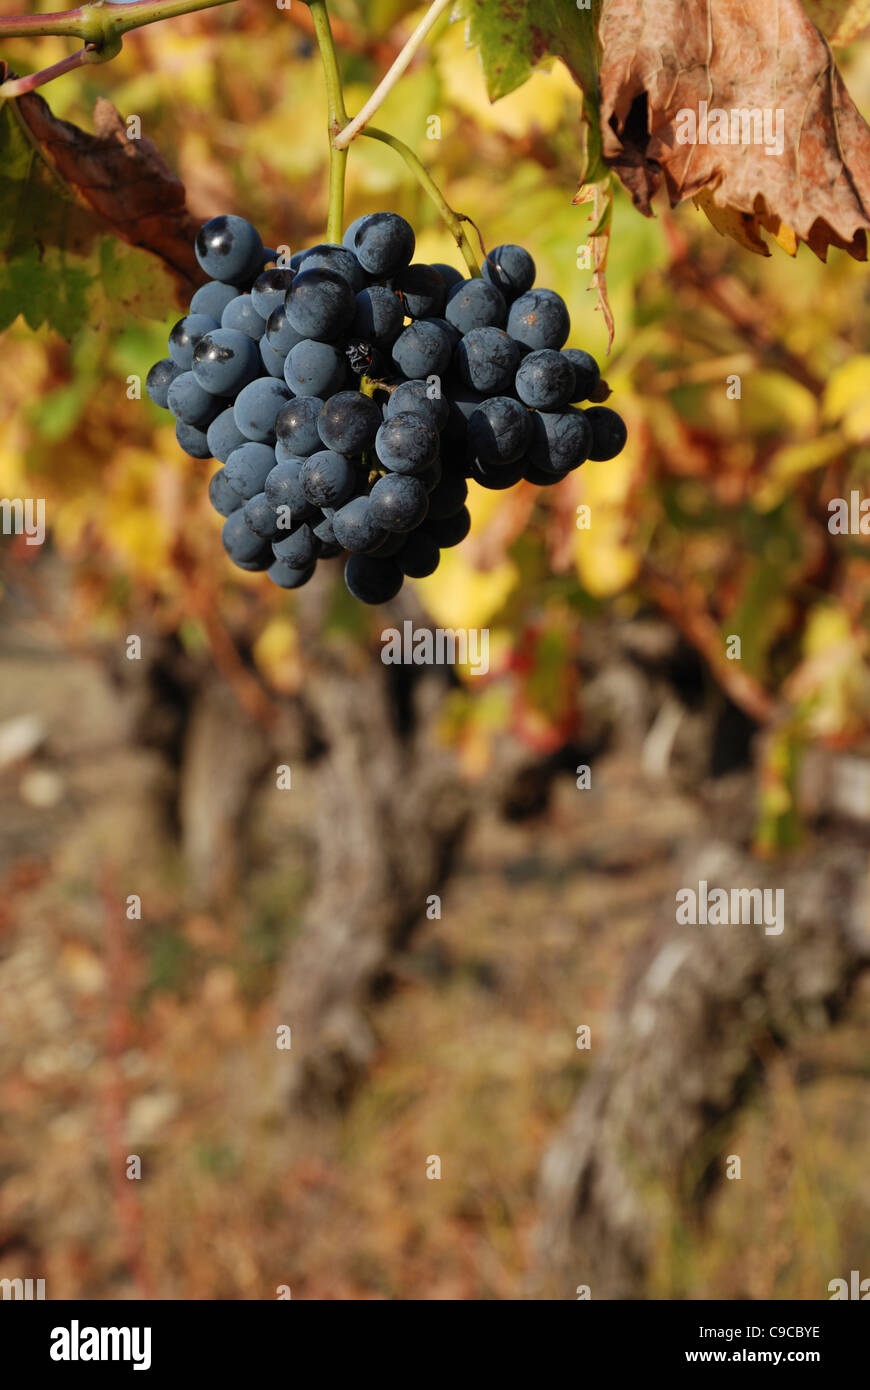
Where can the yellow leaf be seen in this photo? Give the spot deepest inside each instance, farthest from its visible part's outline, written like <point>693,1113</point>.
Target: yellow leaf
<point>847,397</point>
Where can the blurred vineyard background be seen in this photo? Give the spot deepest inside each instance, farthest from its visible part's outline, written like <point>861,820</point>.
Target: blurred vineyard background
<point>156,777</point>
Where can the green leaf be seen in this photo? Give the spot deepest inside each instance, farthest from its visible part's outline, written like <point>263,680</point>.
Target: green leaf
<point>513,36</point>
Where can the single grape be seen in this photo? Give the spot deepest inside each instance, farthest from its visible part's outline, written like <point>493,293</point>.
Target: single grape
<point>423,349</point>
<point>383,243</point>
<point>349,422</point>
<point>608,432</point>
<point>283,489</point>
<point>419,556</point>
<point>192,440</point>
<point>224,361</point>
<point>449,274</point>
<point>419,398</point>
<point>296,426</point>
<point>431,476</point>
<point>287,577</point>
<point>241,315</point>
<point>315,369</point>
<point>324,530</point>
<point>499,431</point>
<point>398,502</point>
<point>488,359</point>
<point>298,549</point>
<point>337,259</point>
<point>448,497</point>
<point>496,477</point>
<point>406,444</point>
<point>244,548</point>
<point>422,291</point>
<point>257,406</point>
<point>378,317</point>
<point>511,269</point>
<point>221,495</point>
<point>475,304</point>
<point>261,517</point>
<point>451,530</point>
<point>320,304</point>
<point>212,298</point>
<point>248,467</point>
<point>159,380</point>
<point>463,401</point>
<point>356,528</point>
<point>190,403</point>
<point>280,333</point>
<point>348,238</point>
<point>373,579</point>
<point>391,546</point>
<point>328,479</point>
<point>273,360</point>
<point>228,248</point>
<point>539,476</point>
<point>269,290</point>
<point>539,319</point>
<point>587,374</point>
<point>184,337</point>
<point>224,435</point>
<point>561,440</point>
<point>545,380</point>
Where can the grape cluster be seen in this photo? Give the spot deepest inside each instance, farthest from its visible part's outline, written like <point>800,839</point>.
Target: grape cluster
<point>350,395</point>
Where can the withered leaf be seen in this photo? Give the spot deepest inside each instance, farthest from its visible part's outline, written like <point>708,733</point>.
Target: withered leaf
<point>663,59</point>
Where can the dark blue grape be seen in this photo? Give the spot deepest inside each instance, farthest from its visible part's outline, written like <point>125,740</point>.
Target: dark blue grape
<point>451,530</point>
<point>422,290</point>
<point>545,380</point>
<point>192,440</point>
<point>419,398</point>
<point>320,304</point>
<point>241,315</point>
<point>228,248</point>
<point>372,578</point>
<point>212,298</point>
<point>487,359</point>
<point>189,402</point>
<point>348,238</point>
<point>244,548</point>
<point>159,380</point>
<point>356,527</point>
<point>499,431</point>
<point>283,489</point>
<point>423,349</point>
<point>496,477</point>
<point>269,290</point>
<point>261,517</point>
<point>540,476</point>
<point>391,546</point>
<point>419,556</point>
<point>248,467</point>
<point>280,333</point>
<point>287,577</point>
<point>608,432</point>
<point>324,530</point>
<point>184,337</point>
<point>587,375</point>
<point>337,259</point>
<point>539,319</point>
<point>462,401</point>
<point>406,444</point>
<point>221,495</point>
<point>475,304</point>
<point>431,476</point>
<point>298,549</point>
<point>224,361</point>
<point>257,406</point>
<point>511,269</point>
<point>398,502</point>
<point>561,440</point>
<point>328,479</point>
<point>383,243</point>
<point>273,360</point>
<point>296,426</point>
<point>224,435</point>
<point>315,369</point>
<point>378,317</point>
<point>448,497</point>
<point>349,422</point>
<point>449,274</point>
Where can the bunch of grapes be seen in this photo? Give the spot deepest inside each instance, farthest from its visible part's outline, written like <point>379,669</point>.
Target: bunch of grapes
<point>351,394</point>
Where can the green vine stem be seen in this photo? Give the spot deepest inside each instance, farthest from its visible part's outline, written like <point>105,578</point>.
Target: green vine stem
<point>336,116</point>
<point>454,220</point>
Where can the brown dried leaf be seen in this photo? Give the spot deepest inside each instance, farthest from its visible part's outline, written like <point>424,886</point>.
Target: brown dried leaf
<point>124,182</point>
<point>663,57</point>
